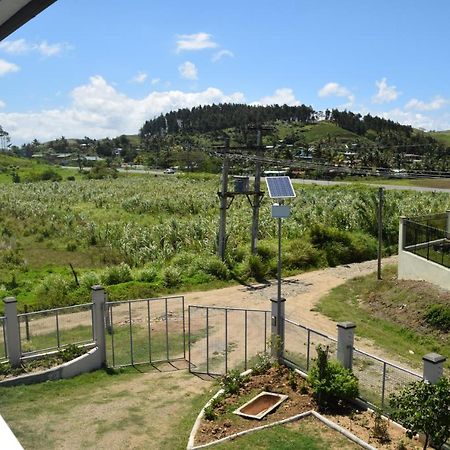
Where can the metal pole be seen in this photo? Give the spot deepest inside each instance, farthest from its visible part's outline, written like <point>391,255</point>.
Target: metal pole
<point>57,330</point>
<point>226,341</point>
<point>279,263</point>
<point>207,340</point>
<point>383,385</point>
<point>131,334</point>
<point>167,330</point>
<point>245,342</point>
<point>223,204</point>
<point>380,229</point>
<point>27,325</point>
<point>189,337</point>
<point>257,196</point>
<point>149,326</point>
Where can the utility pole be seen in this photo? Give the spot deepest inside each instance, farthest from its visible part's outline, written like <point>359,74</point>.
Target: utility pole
<point>223,195</point>
<point>380,229</point>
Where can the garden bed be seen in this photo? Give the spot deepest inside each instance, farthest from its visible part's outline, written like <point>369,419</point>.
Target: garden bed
<point>219,420</point>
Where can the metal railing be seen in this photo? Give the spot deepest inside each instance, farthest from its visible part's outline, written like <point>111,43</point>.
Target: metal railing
<point>3,349</point>
<point>438,221</point>
<point>427,241</point>
<point>56,328</point>
<point>377,378</point>
<point>301,342</point>
<point>221,339</point>
<point>145,331</point>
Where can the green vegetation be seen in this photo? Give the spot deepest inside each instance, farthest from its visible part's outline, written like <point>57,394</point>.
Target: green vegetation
<point>393,314</point>
<point>331,383</point>
<point>145,236</point>
<point>423,408</point>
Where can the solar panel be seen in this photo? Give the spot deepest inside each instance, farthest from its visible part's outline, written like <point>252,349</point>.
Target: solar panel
<point>280,187</point>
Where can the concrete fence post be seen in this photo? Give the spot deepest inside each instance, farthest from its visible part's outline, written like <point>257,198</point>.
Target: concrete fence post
<point>433,367</point>
<point>401,234</point>
<point>346,338</point>
<point>98,317</point>
<point>12,331</point>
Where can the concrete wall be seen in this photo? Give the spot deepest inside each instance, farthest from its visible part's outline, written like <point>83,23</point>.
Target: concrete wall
<point>7,439</point>
<point>413,267</point>
<point>92,360</point>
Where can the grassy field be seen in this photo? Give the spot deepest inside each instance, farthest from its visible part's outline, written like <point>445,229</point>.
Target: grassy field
<point>390,313</point>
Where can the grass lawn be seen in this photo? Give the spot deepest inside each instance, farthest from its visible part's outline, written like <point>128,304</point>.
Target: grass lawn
<point>390,312</point>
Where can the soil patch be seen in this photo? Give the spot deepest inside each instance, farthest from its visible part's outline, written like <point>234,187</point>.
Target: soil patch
<point>282,380</point>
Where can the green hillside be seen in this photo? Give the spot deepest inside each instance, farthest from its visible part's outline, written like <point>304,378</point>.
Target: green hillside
<point>441,136</point>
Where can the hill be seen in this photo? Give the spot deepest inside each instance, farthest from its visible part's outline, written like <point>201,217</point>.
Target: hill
<point>441,136</point>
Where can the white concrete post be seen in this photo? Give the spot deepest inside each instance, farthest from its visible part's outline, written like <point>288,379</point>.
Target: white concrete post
<point>277,328</point>
<point>12,331</point>
<point>401,234</point>
<point>346,338</point>
<point>433,367</point>
<point>98,317</point>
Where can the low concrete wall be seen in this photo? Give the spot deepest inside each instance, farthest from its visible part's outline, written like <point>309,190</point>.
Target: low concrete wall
<point>413,267</point>
<point>7,439</point>
<point>92,360</point>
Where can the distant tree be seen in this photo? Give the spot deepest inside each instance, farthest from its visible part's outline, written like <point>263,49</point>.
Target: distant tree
<point>4,139</point>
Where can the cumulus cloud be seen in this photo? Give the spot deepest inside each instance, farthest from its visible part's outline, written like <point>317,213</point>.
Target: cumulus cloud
<point>333,89</point>
<point>283,96</point>
<point>188,70</point>
<point>196,41</point>
<point>7,67</point>
<point>435,104</point>
<point>21,46</point>
<point>2,104</point>
<point>99,110</point>
<point>155,81</point>
<point>222,54</point>
<point>385,92</point>
<point>139,78</point>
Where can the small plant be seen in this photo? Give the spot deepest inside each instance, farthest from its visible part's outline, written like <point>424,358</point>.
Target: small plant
<point>70,352</point>
<point>232,382</point>
<point>262,364</point>
<point>171,277</point>
<point>117,274</point>
<point>401,446</point>
<point>293,380</point>
<point>331,382</point>
<point>209,413</point>
<point>380,428</point>
<point>438,316</point>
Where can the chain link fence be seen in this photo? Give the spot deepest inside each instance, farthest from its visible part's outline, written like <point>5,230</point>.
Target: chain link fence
<point>222,339</point>
<point>145,331</point>
<point>52,329</point>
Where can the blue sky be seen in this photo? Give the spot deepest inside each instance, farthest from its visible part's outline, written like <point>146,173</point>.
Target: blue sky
<point>100,68</point>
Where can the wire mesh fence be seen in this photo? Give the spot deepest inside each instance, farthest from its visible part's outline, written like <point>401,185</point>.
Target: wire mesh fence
<point>301,343</point>
<point>428,241</point>
<point>52,329</point>
<point>378,379</point>
<point>3,351</point>
<point>222,339</point>
<point>145,331</point>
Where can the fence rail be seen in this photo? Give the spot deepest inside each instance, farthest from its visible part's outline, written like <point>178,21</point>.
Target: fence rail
<point>145,331</point>
<point>56,328</point>
<point>428,242</point>
<point>221,339</point>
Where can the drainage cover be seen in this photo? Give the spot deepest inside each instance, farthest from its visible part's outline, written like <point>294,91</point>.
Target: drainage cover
<point>261,405</point>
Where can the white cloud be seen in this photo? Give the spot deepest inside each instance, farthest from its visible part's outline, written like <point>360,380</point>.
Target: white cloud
<point>98,110</point>
<point>435,104</point>
<point>188,70</point>
<point>155,81</point>
<point>283,96</point>
<point>140,77</point>
<point>385,92</point>
<point>7,67</point>
<point>2,104</point>
<point>222,54</point>
<point>197,41</point>
<point>21,46</point>
<point>333,89</point>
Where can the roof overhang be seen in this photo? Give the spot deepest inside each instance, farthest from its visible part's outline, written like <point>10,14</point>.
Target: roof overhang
<point>15,13</point>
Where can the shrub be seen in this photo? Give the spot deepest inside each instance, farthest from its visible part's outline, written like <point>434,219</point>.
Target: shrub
<point>232,382</point>
<point>256,267</point>
<point>171,276</point>
<point>89,279</point>
<point>422,407</point>
<point>266,251</point>
<point>330,381</point>
<point>301,254</point>
<point>216,267</point>
<point>262,364</point>
<point>148,274</point>
<point>438,316</point>
<point>117,274</point>
<point>53,291</point>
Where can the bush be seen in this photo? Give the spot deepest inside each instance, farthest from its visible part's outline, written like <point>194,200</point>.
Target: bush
<point>256,267</point>
<point>262,364</point>
<point>438,316</point>
<point>89,279</point>
<point>216,267</point>
<point>232,382</point>
<point>53,291</point>
<point>100,170</point>
<point>117,274</point>
<point>148,274</point>
<point>331,382</point>
<point>301,254</point>
<point>266,251</point>
<point>171,276</point>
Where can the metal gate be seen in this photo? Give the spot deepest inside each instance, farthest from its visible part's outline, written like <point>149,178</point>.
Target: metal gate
<point>145,331</point>
<point>221,339</point>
